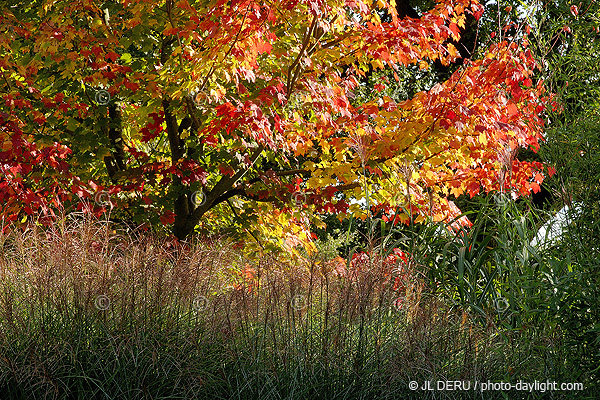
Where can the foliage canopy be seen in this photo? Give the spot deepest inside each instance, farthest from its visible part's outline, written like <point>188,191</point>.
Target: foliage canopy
<point>208,112</point>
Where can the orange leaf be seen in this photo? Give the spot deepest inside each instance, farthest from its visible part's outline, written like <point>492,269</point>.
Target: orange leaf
<point>539,178</point>
<point>452,50</point>
<point>264,47</point>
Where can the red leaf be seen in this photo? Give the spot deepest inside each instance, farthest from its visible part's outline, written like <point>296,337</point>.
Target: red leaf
<point>473,188</point>
<point>445,123</point>
<point>132,86</point>
<point>455,29</point>
<point>226,169</point>
<point>111,55</point>
<point>168,217</point>
<point>96,50</point>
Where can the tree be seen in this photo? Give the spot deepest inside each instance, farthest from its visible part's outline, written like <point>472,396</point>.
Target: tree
<point>192,112</point>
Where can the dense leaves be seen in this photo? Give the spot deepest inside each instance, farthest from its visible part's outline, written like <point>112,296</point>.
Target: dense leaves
<point>220,112</point>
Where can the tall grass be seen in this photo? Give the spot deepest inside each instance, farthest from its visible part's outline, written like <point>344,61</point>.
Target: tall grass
<point>88,311</point>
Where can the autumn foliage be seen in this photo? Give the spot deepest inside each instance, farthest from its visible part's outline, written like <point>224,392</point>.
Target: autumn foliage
<point>196,113</point>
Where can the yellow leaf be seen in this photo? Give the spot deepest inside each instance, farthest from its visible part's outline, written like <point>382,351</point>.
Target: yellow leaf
<point>437,160</point>
<point>420,218</point>
<point>452,50</point>
<point>483,138</point>
<point>378,64</point>
<point>309,165</point>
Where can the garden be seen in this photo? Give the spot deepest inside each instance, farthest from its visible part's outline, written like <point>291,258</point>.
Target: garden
<point>299,199</point>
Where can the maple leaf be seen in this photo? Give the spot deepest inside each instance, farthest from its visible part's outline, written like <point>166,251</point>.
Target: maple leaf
<point>263,47</point>
<point>168,217</point>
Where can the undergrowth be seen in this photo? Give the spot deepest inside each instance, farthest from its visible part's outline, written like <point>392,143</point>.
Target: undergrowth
<point>89,311</point>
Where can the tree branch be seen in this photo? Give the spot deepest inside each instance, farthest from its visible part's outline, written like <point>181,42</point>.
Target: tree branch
<point>114,163</point>
<point>175,144</point>
<point>294,69</point>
